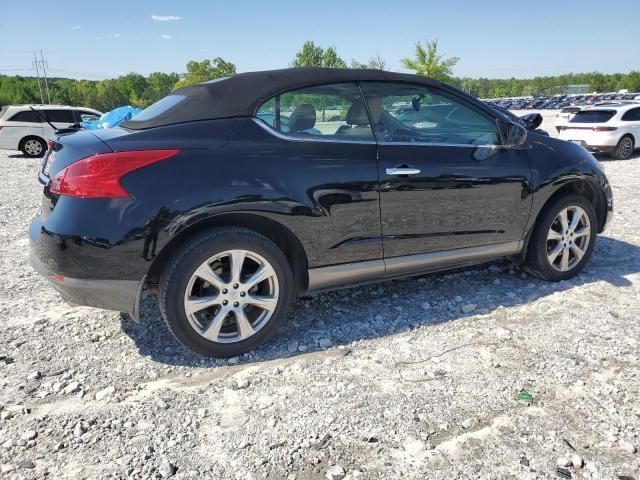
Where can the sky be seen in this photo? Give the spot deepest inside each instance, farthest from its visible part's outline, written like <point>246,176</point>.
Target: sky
<point>97,39</point>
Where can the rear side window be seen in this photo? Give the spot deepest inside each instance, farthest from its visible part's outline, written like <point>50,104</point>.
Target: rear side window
<point>26,116</point>
<point>593,116</point>
<point>158,108</point>
<point>60,116</point>
<point>632,115</point>
<point>328,111</point>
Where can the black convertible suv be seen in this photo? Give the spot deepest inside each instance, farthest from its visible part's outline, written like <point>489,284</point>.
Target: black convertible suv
<point>233,196</point>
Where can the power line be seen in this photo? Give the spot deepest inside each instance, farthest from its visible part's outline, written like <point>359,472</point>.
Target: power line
<point>44,70</point>
<point>35,64</point>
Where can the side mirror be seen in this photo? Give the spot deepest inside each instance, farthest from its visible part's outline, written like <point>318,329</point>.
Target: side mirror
<point>516,135</point>
<point>533,120</point>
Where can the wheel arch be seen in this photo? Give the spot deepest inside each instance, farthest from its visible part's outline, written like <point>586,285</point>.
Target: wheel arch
<point>578,186</point>
<point>282,236</point>
<point>27,137</point>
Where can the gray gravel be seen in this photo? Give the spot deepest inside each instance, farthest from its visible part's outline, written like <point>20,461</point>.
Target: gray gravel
<point>413,379</point>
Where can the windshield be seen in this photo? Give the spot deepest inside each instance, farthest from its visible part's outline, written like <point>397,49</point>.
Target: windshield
<point>593,116</point>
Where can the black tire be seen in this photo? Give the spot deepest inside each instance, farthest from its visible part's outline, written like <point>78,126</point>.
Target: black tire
<point>537,262</point>
<point>178,272</point>
<point>624,148</point>
<point>28,147</point>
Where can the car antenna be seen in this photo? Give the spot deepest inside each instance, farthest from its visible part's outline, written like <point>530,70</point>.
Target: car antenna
<point>57,131</point>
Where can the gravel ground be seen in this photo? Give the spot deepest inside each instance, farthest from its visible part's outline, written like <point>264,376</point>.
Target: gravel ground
<point>385,381</point>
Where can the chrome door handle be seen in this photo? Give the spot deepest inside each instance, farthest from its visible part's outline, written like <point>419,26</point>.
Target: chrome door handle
<point>402,171</point>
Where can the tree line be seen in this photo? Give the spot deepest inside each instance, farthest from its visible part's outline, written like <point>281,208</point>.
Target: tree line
<point>141,91</point>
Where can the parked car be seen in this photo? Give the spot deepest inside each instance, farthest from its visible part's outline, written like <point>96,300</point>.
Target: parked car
<point>610,128</point>
<point>565,115</point>
<point>23,129</point>
<point>230,217</point>
<point>530,121</point>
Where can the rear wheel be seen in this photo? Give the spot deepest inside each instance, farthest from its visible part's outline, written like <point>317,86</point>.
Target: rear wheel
<point>33,147</point>
<point>226,292</point>
<point>624,148</point>
<point>563,239</point>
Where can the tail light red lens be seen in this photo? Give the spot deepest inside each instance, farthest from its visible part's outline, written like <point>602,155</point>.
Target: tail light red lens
<point>99,176</point>
<point>604,129</point>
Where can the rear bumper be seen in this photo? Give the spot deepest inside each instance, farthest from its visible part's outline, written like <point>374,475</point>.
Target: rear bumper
<point>119,295</point>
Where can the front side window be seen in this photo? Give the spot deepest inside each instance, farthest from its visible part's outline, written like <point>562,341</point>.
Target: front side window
<point>409,113</point>
<point>334,112</point>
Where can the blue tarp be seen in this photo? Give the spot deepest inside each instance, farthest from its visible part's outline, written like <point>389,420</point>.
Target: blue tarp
<point>112,118</point>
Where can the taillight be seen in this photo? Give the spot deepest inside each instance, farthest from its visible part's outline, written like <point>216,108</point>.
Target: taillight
<point>50,144</point>
<point>99,176</point>
<point>604,129</point>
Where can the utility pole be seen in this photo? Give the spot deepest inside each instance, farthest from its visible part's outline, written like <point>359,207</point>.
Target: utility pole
<point>35,64</point>
<point>44,70</point>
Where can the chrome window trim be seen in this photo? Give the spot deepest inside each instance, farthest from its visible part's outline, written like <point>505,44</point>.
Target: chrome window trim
<point>282,136</point>
<point>482,145</point>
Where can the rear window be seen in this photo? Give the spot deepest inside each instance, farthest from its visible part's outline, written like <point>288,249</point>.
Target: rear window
<point>26,116</point>
<point>158,108</point>
<point>570,110</point>
<point>593,116</point>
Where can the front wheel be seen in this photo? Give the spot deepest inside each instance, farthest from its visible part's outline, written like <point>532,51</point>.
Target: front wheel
<point>563,239</point>
<point>226,292</point>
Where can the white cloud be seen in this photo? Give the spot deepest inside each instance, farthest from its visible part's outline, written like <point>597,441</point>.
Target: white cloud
<point>76,27</point>
<point>113,35</point>
<point>164,35</point>
<point>165,18</point>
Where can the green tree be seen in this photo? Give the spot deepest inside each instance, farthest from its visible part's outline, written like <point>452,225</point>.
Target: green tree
<point>428,63</point>
<point>313,55</point>
<point>330,59</point>
<point>198,72</point>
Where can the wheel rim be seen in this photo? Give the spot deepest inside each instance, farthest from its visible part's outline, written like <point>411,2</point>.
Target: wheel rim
<point>33,147</point>
<point>231,296</point>
<point>626,147</point>
<point>568,238</point>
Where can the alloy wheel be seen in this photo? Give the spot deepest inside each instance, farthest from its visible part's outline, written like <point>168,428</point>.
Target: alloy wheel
<point>626,147</point>
<point>33,147</point>
<point>231,296</point>
<point>568,238</point>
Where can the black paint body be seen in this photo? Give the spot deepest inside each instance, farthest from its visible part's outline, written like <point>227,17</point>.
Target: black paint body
<point>332,202</point>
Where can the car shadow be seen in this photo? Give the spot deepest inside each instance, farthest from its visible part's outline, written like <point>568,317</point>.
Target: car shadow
<point>19,155</point>
<point>386,308</point>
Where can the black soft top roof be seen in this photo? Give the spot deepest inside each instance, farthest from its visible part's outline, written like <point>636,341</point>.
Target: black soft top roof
<point>242,94</point>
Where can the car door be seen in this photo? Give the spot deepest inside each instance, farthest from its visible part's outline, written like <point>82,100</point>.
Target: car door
<point>631,121</point>
<point>322,154</point>
<point>443,184</point>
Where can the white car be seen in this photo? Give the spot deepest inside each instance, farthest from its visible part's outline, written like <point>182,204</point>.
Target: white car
<point>23,129</point>
<point>612,128</point>
<point>565,115</point>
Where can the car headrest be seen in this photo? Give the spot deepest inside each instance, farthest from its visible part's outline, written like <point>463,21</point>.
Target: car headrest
<point>375,108</point>
<point>302,118</point>
<point>357,114</point>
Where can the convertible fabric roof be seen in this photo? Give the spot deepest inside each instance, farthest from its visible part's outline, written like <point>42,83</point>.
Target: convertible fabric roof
<point>242,94</point>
